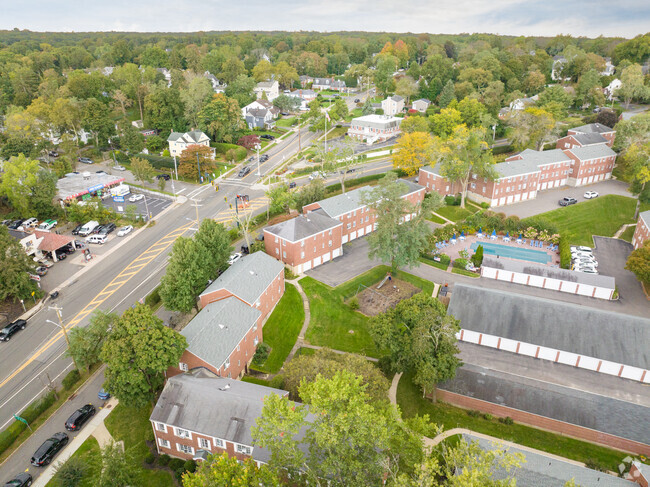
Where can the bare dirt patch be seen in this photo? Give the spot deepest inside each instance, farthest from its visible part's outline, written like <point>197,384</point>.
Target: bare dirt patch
<point>373,301</point>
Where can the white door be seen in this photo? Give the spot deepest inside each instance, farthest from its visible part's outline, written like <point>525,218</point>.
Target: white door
<point>563,183</point>
<point>326,257</point>
<point>532,195</point>
<point>345,239</point>
<point>517,197</point>
<point>510,198</point>
<point>353,235</point>
<point>306,266</point>
<point>591,179</point>
<point>524,197</point>
<point>543,186</point>
<point>336,253</point>
<point>360,232</point>
<point>557,183</point>
<point>368,229</point>
<point>317,261</point>
<point>502,201</point>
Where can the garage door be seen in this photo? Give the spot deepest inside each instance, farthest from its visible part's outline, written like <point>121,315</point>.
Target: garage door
<point>557,183</point>
<point>326,257</point>
<point>306,266</point>
<point>524,197</point>
<point>591,179</point>
<point>336,253</point>
<point>353,235</point>
<point>368,229</point>
<point>543,186</point>
<point>345,239</point>
<point>564,181</point>
<point>502,201</point>
<point>317,261</point>
<point>517,197</point>
<point>510,199</point>
<point>361,232</point>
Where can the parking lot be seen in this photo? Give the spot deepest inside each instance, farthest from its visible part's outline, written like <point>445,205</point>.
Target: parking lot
<point>155,204</point>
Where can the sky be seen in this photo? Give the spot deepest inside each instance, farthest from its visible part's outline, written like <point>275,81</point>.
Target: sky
<point>591,18</point>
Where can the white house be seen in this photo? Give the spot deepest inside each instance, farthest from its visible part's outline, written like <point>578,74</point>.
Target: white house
<point>261,105</point>
<point>168,76</point>
<point>328,84</point>
<point>558,66</point>
<point>217,86</point>
<point>374,128</point>
<point>421,105</point>
<point>611,89</point>
<point>178,142</point>
<point>271,88</point>
<point>609,67</point>
<point>393,105</point>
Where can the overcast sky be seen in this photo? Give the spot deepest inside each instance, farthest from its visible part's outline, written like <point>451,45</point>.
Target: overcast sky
<point>626,18</point>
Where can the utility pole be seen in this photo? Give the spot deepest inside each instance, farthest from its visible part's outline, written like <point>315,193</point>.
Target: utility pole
<point>175,168</point>
<point>258,147</point>
<point>199,167</point>
<point>58,310</point>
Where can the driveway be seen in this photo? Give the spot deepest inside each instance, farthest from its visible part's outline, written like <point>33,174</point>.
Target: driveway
<point>547,200</point>
<point>352,263</point>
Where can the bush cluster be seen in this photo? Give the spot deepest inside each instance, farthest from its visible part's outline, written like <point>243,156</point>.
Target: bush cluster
<point>71,379</point>
<point>565,252</point>
<point>153,298</point>
<point>30,414</point>
<point>262,353</point>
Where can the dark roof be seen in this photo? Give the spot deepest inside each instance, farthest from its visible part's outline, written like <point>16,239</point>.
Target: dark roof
<point>249,277</point>
<point>589,138</point>
<point>201,402</point>
<point>424,100</point>
<point>217,329</point>
<point>592,127</point>
<point>573,328</point>
<point>396,98</point>
<point>303,226</point>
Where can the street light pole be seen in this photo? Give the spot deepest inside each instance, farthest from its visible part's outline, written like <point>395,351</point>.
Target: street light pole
<point>258,147</point>
<point>65,331</point>
<point>176,168</point>
<point>199,167</point>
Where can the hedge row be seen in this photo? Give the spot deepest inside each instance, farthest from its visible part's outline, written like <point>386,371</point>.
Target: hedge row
<point>565,252</point>
<point>223,148</point>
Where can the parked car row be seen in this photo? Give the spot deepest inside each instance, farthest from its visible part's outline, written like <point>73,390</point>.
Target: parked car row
<point>22,225</point>
<point>583,260</point>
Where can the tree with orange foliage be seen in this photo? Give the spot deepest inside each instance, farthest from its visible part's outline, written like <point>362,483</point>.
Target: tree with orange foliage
<point>188,167</point>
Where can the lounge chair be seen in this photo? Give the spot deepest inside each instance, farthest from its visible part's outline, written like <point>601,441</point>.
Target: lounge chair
<point>452,241</point>
<point>506,239</point>
<point>462,237</point>
<point>523,242</point>
<point>532,243</point>
<point>519,240</point>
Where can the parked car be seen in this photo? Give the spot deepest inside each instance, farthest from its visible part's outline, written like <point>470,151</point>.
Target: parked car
<point>244,250</point>
<point>582,262</point>
<point>69,249</point>
<point>566,201</point>
<point>588,270</point>
<point>79,417</point>
<point>101,172</point>
<point>53,153</point>
<point>97,239</point>
<point>60,254</point>
<point>356,100</point>
<point>12,328</point>
<point>47,225</point>
<point>136,197</point>
<point>234,258</point>
<point>77,229</point>
<point>292,184</point>
<point>119,168</point>
<point>580,248</point>
<point>106,229</point>
<point>97,229</point>
<point>316,175</point>
<point>590,194</point>
<point>103,394</point>
<point>79,244</point>
<point>6,223</point>
<point>166,177</point>
<point>47,451</point>
<point>41,270</point>
<point>44,262</point>
<point>30,222</point>
<point>20,480</point>
<point>267,137</point>
<point>124,231</point>
<point>15,224</point>
<point>243,171</point>
<point>85,160</point>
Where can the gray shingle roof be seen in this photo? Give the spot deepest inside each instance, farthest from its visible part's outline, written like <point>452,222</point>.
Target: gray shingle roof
<point>590,138</point>
<point>201,402</point>
<point>303,226</point>
<point>592,151</point>
<point>592,127</point>
<point>248,277</point>
<point>530,162</point>
<point>645,216</point>
<point>573,328</point>
<point>189,137</point>
<point>424,100</point>
<point>542,470</point>
<point>218,328</point>
<point>396,98</point>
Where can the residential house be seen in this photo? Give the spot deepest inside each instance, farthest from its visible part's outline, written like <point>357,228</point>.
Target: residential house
<point>374,128</point>
<point>224,335</point>
<point>421,105</point>
<point>321,84</point>
<point>217,86</point>
<point>610,69</point>
<point>305,96</point>
<point>305,80</point>
<point>270,88</point>
<point>559,62</point>
<point>260,114</point>
<point>611,89</point>
<point>168,76</point>
<point>433,180</point>
<point>517,105</point>
<point>642,230</point>
<point>639,473</point>
<point>554,166</point>
<point>178,141</point>
<point>393,105</point>
<point>598,128</point>
<point>590,164</point>
<point>199,413</point>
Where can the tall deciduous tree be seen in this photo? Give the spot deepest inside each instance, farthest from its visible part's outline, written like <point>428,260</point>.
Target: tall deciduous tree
<point>280,199</point>
<point>465,153</point>
<point>639,262</point>
<point>414,123</point>
<point>135,82</point>
<point>444,123</point>
<point>29,188</point>
<point>15,267</point>
<point>188,166</point>
<point>637,163</point>
<point>137,352</point>
<point>117,469</point>
<point>414,150</point>
<point>226,471</point>
<point>163,109</point>
<point>531,127</point>
<point>197,94</point>
<point>86,343</point>
<point>421,338</point>
<point>406,87</point>
<point>632,85</point>
<point>96,118</point>
<point>221,118</point>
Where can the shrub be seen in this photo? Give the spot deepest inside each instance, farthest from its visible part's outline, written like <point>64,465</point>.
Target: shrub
<point>565,252</point>
<point>70,473</point>
<point>594,464</point>
<point>190,465</point>
<point>488,416</point>
<point>35,409</point>
<point>176,464</point>
<point>149,458</point>
<point>261,354</point>
<point>153,298</point>
<point>473,413</point>
<point>354,303</point>
<point>164,460</point>
<point>9,435</point>
<point>477,258</point>
<point>179,474</point>
<point>222,148</point>
<point>485,205</point>
<point>71,379</point>
<point>248,141</point>
<point>451,200</point>
<point>277,382</point>
<point>460,263</point>
<point>507,420</point>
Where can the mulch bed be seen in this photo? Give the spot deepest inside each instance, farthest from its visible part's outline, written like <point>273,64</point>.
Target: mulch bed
<point>373,301</point>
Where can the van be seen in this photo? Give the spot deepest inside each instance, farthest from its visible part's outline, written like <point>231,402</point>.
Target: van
<point>88,228</point>
<point>121,190</point>
<point>96,239</point>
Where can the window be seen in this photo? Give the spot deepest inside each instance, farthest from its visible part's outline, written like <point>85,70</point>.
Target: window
<point>203,443</point>
<point>276,239</point>
<point>484,189</point>
<point>256,341</point>
<point>164,443</point>
<point>183,366</point>
<point>314,249</point>
<point>330,243</point>
<point>238,363</point>
<point>330,233</point>
<point>354,224</point>
<point>302,244</point>
<point>473,185</point>
<point>246,450</point>
<point>367,218</point>
<point>255,326</point>
<point>161,427</point>
<point>302,255</point>
<point>238,347</point>
<point>181,433</point>
<point>226,364</point>
<point>185,448</point>
<point>219,443</point>
<point>284,254</point>
<point>277,252</point>
<point>349,226</point>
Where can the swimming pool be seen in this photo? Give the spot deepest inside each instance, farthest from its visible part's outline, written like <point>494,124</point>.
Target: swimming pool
<point>520,253</point>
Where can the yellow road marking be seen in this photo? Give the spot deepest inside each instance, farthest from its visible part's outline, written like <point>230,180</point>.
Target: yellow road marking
<point>108,291</point>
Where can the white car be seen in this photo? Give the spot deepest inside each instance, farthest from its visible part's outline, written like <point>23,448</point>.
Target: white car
<point>580,248</point>
<point>119,168</point>
<point>234,258</point>
<point>580,253</point>
<point>585,263</point>
<point>590,194</point>
<point>136,197</point>
<point>587,270</point>
<point>97,239</point>
<point>124,231</point>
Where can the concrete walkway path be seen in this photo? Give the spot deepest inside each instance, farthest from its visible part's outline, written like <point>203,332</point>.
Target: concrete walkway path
<point>441,217</point>
<point>300,342</point>
<point>620,231</point>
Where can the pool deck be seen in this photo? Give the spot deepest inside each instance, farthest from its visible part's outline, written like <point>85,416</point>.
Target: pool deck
<point>452,249</point>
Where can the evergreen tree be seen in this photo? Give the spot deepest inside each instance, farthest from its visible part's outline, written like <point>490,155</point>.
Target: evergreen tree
<point>447,94</point>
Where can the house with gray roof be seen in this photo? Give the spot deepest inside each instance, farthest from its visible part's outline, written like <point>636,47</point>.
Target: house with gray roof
<point>421,105</point>
<point>321,84</point>
<point>374,128</point>
<point>590,164</point>
<point>393,105</point>
<point>179,141</point>
<point>580,140</point>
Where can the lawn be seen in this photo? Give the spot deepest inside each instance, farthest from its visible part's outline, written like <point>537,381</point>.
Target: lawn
<point>455,213</point>
<point>627,234</point>
<point>90,454</point>
<point>437,219</point>
<point>463,272</point>
<point>132,426</point>
<point>334,324</point>
<point>286,122</point>
<point>601,216</point>
<point>433,263</point>
<point>337,132</point>
<point>282,328</point>
<point>411,402</point>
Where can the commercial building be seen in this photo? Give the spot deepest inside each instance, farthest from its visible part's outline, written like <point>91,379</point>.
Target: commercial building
<point>374,128</point>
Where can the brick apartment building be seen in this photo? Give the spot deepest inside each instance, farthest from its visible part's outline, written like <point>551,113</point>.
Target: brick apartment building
<point>224,335</point>
<point>580,140</point>
<point>642,230</point>
<point>595,128</point>
<point>317,236</point>
<point>590,164</point>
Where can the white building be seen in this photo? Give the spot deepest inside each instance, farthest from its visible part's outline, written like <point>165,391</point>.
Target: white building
<point>271,88</point>
<point>374,128</point>
<point>178,142</point>
<point>393,105</point>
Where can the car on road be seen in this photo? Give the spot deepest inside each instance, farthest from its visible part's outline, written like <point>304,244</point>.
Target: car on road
<point>136,197</point>
<point>234,258</point>
<point>77,229</point>
<point>124,231</point>
<point>41,270</point>
<point>166,177</point>
<point>103,394</point>
<point>48,450</point>
<point>101,172</point>
<point>20,480</point>
<point>566,201</point>
<point>243,171</point>
<point>106,229</point>
<point>97,239</point>
<point>580,248</point>
<point>79,417</point>
<point>264,158</point>
<point>292,184</point>
<point>11,329</point>
<point>119,168</point>
<point>47,225</point>
<point>85,160</point>
<point>590,194</point>
<point>356,100</point>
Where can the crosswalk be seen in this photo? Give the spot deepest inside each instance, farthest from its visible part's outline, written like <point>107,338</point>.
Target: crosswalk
<point>228,216</point>
<point>235,182</point>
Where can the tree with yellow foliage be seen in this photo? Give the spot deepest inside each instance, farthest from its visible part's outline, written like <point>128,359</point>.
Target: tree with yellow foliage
<point>414,150</point>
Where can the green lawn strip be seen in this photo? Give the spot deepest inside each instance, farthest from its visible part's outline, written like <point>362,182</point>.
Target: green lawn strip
<point>336,132</point>
<point>433,263</point>
<point>305,351</point>
<point>463,272</point>
<point>454,213</point>
<point>132,426</point>
<point>627,234</point>
<point>601,216</point>
<point>282,328</point>
<point>411,402</point>
<point>286,122</point>
<point>437,219</point>
<point>90,455</point>
<point>644,207</point>
<point>471,206</point>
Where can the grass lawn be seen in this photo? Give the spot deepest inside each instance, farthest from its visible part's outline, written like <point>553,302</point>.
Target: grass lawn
<point>255,380</point>
<point>410,400</point>
<point>332,320</point>
<point>628,234</point>
<point>337,132</point>
<point>282,328</point>
<point>90,454</point>
<point>454,213</point>
<point>132,426</point>
<point>286,122</point>
<point>601,216</point>
<point>437,219</point>
<point>463,272</point>
<point>433,263</point>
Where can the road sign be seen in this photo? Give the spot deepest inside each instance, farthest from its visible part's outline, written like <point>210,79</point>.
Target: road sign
<point>118,199</point>
<point>22,420</point>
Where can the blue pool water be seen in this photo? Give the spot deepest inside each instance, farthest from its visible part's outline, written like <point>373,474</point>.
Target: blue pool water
<point>520,253</point>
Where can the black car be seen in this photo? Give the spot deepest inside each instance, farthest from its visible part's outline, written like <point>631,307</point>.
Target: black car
<point>49,449</point>
<point>567,201</point>
<point>244,249</point>
<point>61,254</point>
<point>166,177</point>
<point>6,222</point>
<point>97,229</point>
<point>292,184</point>
<point>15,224</point>
<point>244,171</point>
<point>356,100</point>
<point>264,158</point>
<point>267,137</point>
<point>20,480</point>
<point>76,229</point>
<point>69,249</point>
<point>108,228</point>
<point>11,328</point>
<point>79,417</point>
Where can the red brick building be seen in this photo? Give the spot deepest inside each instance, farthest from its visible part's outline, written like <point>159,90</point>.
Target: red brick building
<point>580,140</point>
<point>642,230</point>
<point>595,128</point>
<point>431,178</point>
<point>224,335</point>
<point>590,164</point>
